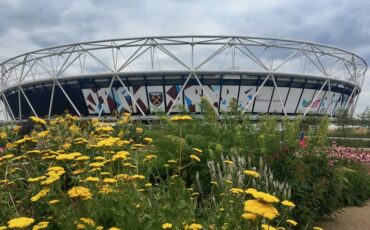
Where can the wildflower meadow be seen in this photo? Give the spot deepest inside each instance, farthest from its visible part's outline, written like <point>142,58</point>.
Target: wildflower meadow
<point>179,172</point>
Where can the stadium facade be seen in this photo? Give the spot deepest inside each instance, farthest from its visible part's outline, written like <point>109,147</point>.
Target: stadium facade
<point>148,75</point>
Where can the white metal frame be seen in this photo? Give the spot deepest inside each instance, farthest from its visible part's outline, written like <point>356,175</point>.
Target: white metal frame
<point>188,54</point>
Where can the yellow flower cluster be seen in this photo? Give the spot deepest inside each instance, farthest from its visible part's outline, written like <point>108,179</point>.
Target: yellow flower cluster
<point>38,120</point>
<point>108,142</point>
<point>120,155</point>
<point>40,195</point>
<point>265,197</point>
<point>251,173</point>
<point>257,207</point>
<point>181,118</point>
<point>166,226</point>
<point>288,203</point>
<point>3,135</point>
<point>41,225</point>
<point>193,226</point>
<point>80,192</point>
<point>20,222</point>
<point>194,157</point>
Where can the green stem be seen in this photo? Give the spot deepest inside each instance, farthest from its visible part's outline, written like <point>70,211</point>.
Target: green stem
<point>180,150</point>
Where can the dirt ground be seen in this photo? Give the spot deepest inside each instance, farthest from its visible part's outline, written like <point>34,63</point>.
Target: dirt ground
<point>357,218</point>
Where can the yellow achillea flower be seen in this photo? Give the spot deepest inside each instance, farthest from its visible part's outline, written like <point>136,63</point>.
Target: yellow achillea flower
<point>35,151</point>
<point>267,227</point>
<point>196,150</point>
<point>108,142</point>
<point>78,171</point>
<point>80,141</point>
<point>52,202</point>
<point>41,225</point>
<point>264,209</point>
<point>38,120</point>
<point>120,155</point>
<point>265,197</point>
<point>181,118</point>
<point>104,128</point>
<point>74,129</point>
<point>249,216</point>
<point>99,158</point>
<point>137,146</point>
<point>292,222</point>
<point>193,226</point>
<point>194,157</point>
<point>114,228</point>
<point>228,162</point>
<point>68,156</point>
<point>148,185</point>
<point>125,177</point>
<point>139,130</point>
<point>105,190</point>
<point>20,222</point>
<point>140,177</point>
<point>54,174</point>
<point>82,158</point>
<point>36,179</point>
<point>3,135</point>
<point>110,181</point>
<point>172,161</point>
<point>317,228</point>
<point>3,227</point>
<point>288,203</point>
<point>25,139</point>
<point>92,179</point>
<point>166,226</point>
<point>150,157</point>
<point>236,190</point>
<point>66,146</point>
<point>251,173</point>
<point>40,195</point>
<point>96,164</point>
<point>87,221</point>
<point>105,173</point>
<point>80,192</point>
<point>148,139</point>
<point>6,157</point>
<point>43,134</point>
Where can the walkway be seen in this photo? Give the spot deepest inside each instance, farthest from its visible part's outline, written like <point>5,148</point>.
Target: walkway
<point>357,218</point>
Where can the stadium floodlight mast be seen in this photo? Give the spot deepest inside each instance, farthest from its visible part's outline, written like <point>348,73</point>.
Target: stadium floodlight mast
<point>122,60</point>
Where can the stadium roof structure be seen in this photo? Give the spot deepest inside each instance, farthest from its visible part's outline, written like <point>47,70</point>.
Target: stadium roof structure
<point>189,55</point>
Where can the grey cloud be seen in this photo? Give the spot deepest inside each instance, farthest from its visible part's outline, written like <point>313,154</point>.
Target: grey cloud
<point>41,23</point>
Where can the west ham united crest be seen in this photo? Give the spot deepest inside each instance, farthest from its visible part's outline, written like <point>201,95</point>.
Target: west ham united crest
<point>156,98</point>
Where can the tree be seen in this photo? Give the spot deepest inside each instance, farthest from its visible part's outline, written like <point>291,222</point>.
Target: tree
<point>364,119</point>
<point>344,119</point>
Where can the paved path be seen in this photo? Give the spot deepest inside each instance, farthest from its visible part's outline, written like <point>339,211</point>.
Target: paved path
<point>357,218</point>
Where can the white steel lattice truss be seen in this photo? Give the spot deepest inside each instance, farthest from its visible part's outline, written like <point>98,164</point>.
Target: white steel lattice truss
<point>185,54</point>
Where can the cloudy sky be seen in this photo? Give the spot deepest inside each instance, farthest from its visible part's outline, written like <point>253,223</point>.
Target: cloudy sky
<point>26,25</point>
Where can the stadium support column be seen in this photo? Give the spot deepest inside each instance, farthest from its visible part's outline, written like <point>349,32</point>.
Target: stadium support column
<point>69,99</point>
<point>7,105</point>
<point>354,104</point>
<point>28,102</point>
<point>131,96</point>
<point>258,91</point>
<point>205,91</point>
<point>179,93</point>
<point>277,90</point>
<point>19,105</point>
<point>51,99</point>
<point>106,96</point>
<point>314,99</point>
<point>349,98</point>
